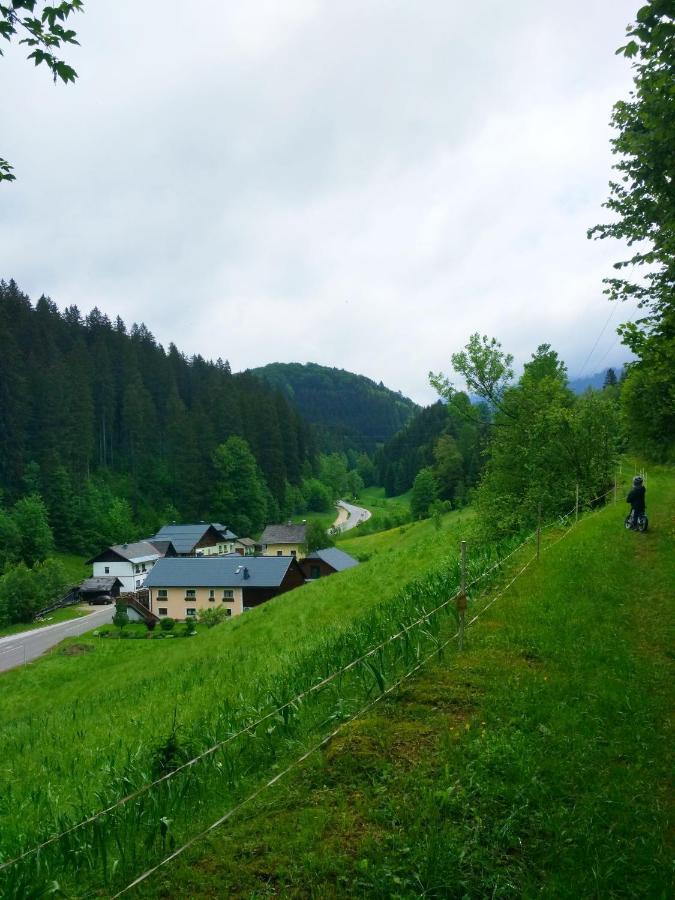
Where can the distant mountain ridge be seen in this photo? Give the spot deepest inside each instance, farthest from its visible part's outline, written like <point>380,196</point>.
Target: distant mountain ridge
<point>347,407</point>
<point>595,381</point>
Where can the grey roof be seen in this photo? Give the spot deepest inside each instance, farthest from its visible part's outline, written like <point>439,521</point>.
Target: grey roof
<point>225,531</point>
<point>284,534</point>
<point>102,585</point>
<point>337,559</point>
<point>183,537</point>
<point>139,550</point>
<point>248,542</point>
<point>219,571</point>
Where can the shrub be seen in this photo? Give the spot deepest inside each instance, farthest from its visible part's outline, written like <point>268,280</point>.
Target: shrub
<point>190,627</point>
<point>121,617</point>
<point>167,624</point>
<point>212,616</point>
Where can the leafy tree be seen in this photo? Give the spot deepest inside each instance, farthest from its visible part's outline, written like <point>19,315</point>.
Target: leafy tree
<point>18,601</point>
<point>317,538</point>
<point>354,483</point>
<point>424,492</point>
<point>239,491</point>
<point>548,441</point>
<point>24,591</point>
<point>317,495</point>
<point>36,540</point>
<point>642,201</point>
<point>121,618</point>
<point>42,28</point>
<point>333,473</point>
<point>448,465</point>
<point>486,369</point>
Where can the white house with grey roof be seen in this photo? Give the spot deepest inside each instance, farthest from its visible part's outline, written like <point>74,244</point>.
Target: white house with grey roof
<point>130,563</point>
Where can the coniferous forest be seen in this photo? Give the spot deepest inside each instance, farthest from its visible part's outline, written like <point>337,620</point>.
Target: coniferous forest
<point>114,434</point>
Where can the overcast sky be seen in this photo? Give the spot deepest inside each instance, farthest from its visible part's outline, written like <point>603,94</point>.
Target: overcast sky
<point>358,184</point>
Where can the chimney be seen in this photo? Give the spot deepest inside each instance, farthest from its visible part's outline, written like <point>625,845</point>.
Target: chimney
<point>246,575</point>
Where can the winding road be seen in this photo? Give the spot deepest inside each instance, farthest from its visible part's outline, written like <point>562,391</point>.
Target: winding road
<point>349,516</point>
<point>18,649</point>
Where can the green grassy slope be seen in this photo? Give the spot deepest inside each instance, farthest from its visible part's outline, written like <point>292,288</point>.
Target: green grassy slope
<point>101,707</point>
<point>536,763</point>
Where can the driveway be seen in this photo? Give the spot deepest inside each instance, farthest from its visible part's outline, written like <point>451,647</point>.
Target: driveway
<point>355,515</point>
<point>18,649</point>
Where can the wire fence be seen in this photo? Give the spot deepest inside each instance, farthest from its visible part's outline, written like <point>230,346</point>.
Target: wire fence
<point>251,729</point>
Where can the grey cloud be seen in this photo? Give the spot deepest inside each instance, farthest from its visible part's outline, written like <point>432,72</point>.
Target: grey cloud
<point>362,185</point>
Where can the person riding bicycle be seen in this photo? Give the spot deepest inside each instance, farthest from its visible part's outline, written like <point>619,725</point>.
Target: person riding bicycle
<point>636,498</point>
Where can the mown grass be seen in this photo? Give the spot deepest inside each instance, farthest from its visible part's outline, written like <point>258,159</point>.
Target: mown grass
<point>59,615</point>
<point>536,763</point>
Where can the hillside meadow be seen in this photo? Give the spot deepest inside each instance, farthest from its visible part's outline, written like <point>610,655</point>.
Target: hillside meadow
<point>105,707</point>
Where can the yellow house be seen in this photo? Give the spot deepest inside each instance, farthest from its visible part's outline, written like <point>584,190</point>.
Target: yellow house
<point>284,540</point>
<point>182,586</point>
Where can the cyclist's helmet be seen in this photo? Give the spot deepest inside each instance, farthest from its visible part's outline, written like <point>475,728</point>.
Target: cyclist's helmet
<point>637,481</point>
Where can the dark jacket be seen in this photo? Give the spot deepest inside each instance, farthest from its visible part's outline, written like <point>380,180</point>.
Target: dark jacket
<point>636,498</point>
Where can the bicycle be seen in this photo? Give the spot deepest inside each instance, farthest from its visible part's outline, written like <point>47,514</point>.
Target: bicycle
<point>637,522</point>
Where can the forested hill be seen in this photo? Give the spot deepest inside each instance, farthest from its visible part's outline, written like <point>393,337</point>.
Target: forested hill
<point>93,412</point>
<point>348,407</point>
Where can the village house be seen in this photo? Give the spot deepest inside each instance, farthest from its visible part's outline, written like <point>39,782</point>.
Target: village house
<point>130,562</point>
<point>246,546</point>
<point>180,587</point>
<point>284,540</point>
<point>200,539</point>
<point>320,563</point>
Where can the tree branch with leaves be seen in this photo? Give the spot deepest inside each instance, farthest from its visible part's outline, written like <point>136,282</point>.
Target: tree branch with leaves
<point>44,30</point>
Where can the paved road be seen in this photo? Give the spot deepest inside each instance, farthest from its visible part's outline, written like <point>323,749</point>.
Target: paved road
<point>22,648</point>
<point>356,514</point>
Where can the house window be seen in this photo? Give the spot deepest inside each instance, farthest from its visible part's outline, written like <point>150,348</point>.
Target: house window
<point>294,552</point>
<point>190,611</point>
<point>190,594</point>
<point>138,583</point>
<point>161,594</point>
<point>212,596</point>
<point>315,572</point>
<point>280,553</point>
<point>228,594</point>
<point>162,611</point>
<point>107,570</point>
<point>228,611</point>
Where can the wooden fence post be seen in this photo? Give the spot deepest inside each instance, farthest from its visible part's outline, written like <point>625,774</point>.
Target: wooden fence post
<point>461,599</point>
